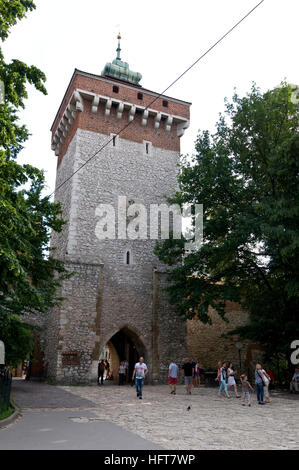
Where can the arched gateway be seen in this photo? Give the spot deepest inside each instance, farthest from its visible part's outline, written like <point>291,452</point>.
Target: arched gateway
<point>126,344</point>
<point>116,293</point>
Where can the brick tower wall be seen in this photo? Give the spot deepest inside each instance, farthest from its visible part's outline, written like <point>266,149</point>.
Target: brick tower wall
<point>105,294</point>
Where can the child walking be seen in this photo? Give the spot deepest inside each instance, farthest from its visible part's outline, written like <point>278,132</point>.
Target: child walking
<point>246,387</point>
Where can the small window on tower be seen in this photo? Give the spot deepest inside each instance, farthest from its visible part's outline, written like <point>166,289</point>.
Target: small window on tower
<point>140,96</point>
<point>128,257</point>
<point>113,140</point>
<point>115,89</point>
<point>147,147</point>
<point>165,103</point>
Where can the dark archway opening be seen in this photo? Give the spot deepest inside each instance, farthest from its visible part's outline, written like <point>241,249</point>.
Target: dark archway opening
<point>125,345</point>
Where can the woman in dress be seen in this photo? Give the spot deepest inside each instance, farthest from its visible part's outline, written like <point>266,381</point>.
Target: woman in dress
<point>231,382</point>
<point>197,374</point>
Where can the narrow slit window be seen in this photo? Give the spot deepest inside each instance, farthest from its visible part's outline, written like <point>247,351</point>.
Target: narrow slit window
<point>128,258</point>
<point>114,140</point>
<point>147,148</point>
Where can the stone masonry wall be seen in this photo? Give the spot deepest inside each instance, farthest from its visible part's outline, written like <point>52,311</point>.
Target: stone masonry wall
<point>205,342</point>
<point>107,295</point>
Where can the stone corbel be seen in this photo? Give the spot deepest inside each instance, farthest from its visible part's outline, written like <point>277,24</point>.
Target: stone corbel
<point>55,139</point>
<point>120,110</point>
<point>95,104</point>
<point>69,116</point>
<point>157,120</point>
<point>71,109</point>
<point>132,113</point>
<point>144,117</point>
<point>168,123</point>
<point>182,127</point>
<point>60,136</point>
<point>79,101</point>
<point>108,107</point>
<point>65,124</point>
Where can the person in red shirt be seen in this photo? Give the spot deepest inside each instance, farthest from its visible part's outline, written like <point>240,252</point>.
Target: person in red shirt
<point>270,373</point>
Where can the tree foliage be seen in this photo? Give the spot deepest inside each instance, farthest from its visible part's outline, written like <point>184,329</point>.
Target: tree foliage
<point>28,276</point>
<point>246,177</point>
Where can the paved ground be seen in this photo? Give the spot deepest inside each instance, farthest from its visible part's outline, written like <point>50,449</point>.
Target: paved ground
<point>53,418</point>
<point>160,418</point>
<point>211,423</point>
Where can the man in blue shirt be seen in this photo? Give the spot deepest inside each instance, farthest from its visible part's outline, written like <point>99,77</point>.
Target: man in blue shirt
<point>173,377</point>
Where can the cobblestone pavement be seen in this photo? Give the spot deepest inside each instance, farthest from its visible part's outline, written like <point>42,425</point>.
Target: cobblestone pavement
<point>211,422</point>
<point>54,418</point>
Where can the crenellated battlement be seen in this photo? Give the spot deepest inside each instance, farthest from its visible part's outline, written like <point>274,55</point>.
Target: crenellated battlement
<point>124,110</point>
<point>106,105</point>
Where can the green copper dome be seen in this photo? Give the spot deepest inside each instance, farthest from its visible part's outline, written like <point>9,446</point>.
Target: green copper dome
<point>120,70</point>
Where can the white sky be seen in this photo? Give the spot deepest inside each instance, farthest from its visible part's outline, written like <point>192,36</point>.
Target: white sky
<point>160,40</point>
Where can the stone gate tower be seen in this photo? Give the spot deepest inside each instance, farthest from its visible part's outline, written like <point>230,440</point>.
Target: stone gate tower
<point>116,295</point>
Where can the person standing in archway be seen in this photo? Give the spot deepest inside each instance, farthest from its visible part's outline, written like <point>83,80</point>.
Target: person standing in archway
<point>101,370</point>
<point>140,372</point>
<point>121,373</point>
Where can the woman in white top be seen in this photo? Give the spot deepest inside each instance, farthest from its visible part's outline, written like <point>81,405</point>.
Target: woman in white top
<point>266,380</point>
<point>231,382</point>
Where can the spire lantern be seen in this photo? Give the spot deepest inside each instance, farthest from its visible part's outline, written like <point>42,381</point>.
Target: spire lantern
<point>119,69</point>
<point>118,48</point>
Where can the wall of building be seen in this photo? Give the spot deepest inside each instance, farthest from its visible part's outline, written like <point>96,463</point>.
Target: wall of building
<point>207,343</point>
<point>106,295</point>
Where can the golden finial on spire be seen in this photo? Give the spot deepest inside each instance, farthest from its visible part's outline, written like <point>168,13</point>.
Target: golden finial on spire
<point>118,36</point>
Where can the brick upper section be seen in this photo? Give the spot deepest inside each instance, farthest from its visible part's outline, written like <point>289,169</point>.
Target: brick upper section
<point>127,93</point>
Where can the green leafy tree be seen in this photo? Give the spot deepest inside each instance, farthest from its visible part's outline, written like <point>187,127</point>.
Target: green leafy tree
<point>29,277</point>
<point>246,177</point>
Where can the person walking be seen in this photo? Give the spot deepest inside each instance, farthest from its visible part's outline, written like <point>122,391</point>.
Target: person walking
<point>173,377</point>
<point>222,381</point>
<point>246,387</point>
<point>193,362</point>
<point>294,384</point>
<point>188,373</point>
<point>126,364</point>
<point>266,380</point>
<point>231,382</point>
<point>217,379</point>
<point>101,370</point>
<point>197,374</point>
<point>107,370</point>
<point>139,373</point>
<point>259,383</point>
